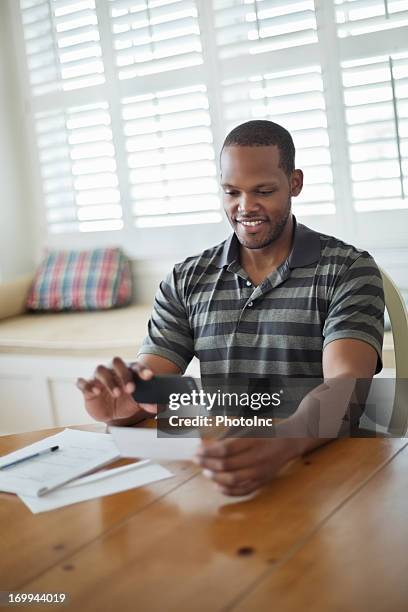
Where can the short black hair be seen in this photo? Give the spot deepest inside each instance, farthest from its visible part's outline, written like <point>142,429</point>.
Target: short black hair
<point>261,133</point>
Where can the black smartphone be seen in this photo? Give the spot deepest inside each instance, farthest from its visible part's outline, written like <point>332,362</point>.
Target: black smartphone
<point>158,389</point>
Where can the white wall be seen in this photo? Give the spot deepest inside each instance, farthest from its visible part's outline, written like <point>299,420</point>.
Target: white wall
<point>15,212</point>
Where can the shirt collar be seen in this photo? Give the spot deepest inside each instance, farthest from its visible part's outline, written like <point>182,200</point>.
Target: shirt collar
<point>305,251</point>
<point>306,246</point>
<point>229,253</point>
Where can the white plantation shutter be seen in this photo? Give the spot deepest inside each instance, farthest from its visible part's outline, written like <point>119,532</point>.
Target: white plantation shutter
<point>169,142</point>
<point>375,93</point>
<point>376,98</point>
<point>62,44</point>
<point>171,175</point>
<point>293,99</point>
<point>363,16</point>
<point>78,168</point>
<point>155,36</point>
<point>256,26</point>
<point>131,100</point>
<point>74,140</point>
<point>171,158</point>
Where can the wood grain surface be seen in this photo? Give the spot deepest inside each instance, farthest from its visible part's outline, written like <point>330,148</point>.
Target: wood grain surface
<point>357,560</point>
<point>313,535</point>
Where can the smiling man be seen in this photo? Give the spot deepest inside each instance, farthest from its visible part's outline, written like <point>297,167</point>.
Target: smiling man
<point>258,183</point>
<point>275,299</point>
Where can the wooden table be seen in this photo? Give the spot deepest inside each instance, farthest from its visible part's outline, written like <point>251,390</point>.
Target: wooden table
<point>330,534</point>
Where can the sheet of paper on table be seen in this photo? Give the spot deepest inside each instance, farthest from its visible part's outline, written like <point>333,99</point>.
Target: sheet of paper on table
<point>80,452</point>
<point>100,484</point>
<point>144,443</point>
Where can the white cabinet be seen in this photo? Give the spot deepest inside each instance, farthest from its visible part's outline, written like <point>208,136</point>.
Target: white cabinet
<point>39,391</point>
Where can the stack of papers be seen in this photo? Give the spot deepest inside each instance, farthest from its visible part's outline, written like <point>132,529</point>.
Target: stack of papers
<point>52,480</point>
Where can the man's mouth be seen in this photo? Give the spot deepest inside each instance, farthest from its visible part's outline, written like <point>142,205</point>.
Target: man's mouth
<point>251,226</point>
<point>250,223</point>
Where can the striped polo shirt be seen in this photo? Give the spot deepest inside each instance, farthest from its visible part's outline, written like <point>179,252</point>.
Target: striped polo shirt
<point>207,307</point>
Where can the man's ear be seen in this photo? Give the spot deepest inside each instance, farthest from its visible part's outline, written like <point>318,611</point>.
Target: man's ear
<point>296,182</point>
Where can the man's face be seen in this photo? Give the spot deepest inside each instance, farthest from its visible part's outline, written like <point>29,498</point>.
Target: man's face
<point>257,193</point>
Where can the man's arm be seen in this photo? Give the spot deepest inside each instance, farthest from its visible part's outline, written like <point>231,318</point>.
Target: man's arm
<point>353,334</point>
<point>348,359</point>
<point>158,365</point>
<point>239,466</point>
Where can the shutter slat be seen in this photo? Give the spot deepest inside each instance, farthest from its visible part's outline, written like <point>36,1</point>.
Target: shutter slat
<point>253,47</point>
<point>81,17</point>
<point>137,19</point>
<point>71,6</point>
<point>173,155</point>
<point>173,220</point>
<point>363,16</point>
<point>167,140</point>
<point>77,35</point>
<point>376,160</point>
<point>179,45</point>
<point>138,37</point>
<point>176,62</point>
<point>177,205</point>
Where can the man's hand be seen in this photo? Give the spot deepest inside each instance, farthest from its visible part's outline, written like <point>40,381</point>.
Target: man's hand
<point>108,396</point>
<point>239,466</point>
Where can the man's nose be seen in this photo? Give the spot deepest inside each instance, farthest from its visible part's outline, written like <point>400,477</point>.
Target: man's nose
<point>248,203</point>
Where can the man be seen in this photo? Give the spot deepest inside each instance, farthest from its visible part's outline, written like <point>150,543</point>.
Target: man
<point>276,298</point>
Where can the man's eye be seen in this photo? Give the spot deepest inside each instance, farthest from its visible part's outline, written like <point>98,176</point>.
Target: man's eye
<point>231,193</point>
<point>267,192</point>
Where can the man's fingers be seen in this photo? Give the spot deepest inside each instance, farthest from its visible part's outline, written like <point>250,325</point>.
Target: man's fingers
<point>124,374</point>
<point>232,479</point>
<point>152,408</point>
<point>243,489</point>
<point>225,448</point>
<point>246,458</point>
<point>141,371</point>
<point>90,388</point>
<point>83,385</point>
<point>110,379</point>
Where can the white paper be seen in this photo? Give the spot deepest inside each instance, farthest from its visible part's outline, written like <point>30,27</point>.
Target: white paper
<point>80,452</point>
<point>144,443</point>
<point>107,473</point>
<point>98,485</point>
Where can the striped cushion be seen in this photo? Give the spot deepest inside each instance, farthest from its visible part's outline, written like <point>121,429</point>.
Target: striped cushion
<point>81,280</point>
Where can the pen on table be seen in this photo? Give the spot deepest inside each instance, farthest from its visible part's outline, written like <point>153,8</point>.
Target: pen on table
<point>42,452</point>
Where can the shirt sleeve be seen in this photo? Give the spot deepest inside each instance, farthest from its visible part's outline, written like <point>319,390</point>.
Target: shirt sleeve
<point>169,334</point>
<point>356,309</point>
